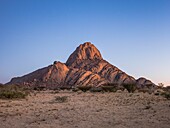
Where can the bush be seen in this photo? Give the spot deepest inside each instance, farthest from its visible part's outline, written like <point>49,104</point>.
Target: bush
<point>166,95</point>
<point>96,89</point>
<point>130,87</point>
<point>144,90</point>
<point>61,99</point>
<point>39,88</point>
<point>167,89</point>
<point>12,95</point>
<point>12,92</point>
<point>65,87</point>
<point>84,88</point>
<point>75,89</point>
<point>110,87</point>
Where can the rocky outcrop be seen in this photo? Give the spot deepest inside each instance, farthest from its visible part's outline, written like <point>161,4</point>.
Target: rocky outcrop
<point>83,52</point>
<point>142,82</point>
<point>59,74</point>
<point>88,57</point>
<point>104,69</point>
<point>85,66</point>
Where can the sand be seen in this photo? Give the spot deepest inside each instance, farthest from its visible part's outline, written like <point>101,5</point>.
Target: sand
<point>86,110</point>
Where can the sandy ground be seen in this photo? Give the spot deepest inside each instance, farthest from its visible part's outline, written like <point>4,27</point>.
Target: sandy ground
<point>86,110</point>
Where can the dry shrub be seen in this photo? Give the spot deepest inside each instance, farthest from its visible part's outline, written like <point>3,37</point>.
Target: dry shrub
<point>65,88</point>
<point>84,88</point>
<point>75,89</point>
<point>61,99</point>
<point>144,90</point>
<point>110,87</point>
<point>131,87</point>
<point>96,89</point>
<point>13,92</point>
<point>166,94</point>
<point>39,88</point>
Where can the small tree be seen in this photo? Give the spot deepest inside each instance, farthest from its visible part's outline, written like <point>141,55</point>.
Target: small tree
<point>161,85</point>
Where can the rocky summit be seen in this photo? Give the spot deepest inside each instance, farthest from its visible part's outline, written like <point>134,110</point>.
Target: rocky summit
<point>85,67</point>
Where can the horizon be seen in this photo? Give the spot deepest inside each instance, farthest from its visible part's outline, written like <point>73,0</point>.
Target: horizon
<point>131,35</point>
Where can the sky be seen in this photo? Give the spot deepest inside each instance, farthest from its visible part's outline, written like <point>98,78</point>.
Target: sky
<point>133,35</point>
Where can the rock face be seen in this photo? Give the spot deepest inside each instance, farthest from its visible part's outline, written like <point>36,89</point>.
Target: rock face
<point>88,57</point>
<point>85,66</point>
<point>83,52</point>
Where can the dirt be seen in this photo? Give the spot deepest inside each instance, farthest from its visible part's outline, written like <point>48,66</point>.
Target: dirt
<point>86,110</point>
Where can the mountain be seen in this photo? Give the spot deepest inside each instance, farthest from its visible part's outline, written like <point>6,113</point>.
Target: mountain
<point>85,66</point>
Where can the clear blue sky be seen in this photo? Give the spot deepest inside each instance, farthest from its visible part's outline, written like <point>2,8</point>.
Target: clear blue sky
<point>133,35</point>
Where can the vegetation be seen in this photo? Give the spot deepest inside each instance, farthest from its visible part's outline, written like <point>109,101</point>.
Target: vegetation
<point>144,90</point>
<point>96,89</point>
<point>13,92</point>
<point>61,99</point>
<point>131,87</point>
<point>166,92</point>
<point>167,95</point>
<point>39,88</point>
<point>65,88</point>
<point>160,85</point>
<point>110,87</point>
<point>84,88</point>
<point>75,89</point>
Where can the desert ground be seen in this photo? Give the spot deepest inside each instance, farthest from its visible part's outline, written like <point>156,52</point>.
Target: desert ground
<point>44,109</point>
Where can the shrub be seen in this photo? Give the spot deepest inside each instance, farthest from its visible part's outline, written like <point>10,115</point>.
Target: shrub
<point>167,89</point>
<point>144,90</point>
<point>96,89</point>
<point>84,88</point>
<point>12,92</point>
<point>39,88</point>
<point>166,95</point>
<point>12,95</point>
<point>65,87</point>
<point>110,87</point>
<point>147,107</point>
<point>75,89</point>
<point>61,99</point>
<point>130,87</point>
<point>121,88</point>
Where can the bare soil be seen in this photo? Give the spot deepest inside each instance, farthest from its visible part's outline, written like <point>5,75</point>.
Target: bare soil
<point>86,110</point>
